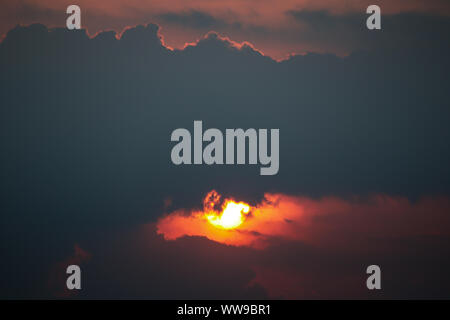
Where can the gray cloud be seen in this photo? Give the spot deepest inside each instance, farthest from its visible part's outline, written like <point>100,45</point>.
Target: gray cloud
<point>193,19</point>
<point>348,32</point>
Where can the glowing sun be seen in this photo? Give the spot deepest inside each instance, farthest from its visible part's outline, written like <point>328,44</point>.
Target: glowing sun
<point>232,215</point>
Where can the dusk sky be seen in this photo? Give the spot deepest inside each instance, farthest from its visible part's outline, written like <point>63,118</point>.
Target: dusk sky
<point>87,175</point>
<point>278,28</point>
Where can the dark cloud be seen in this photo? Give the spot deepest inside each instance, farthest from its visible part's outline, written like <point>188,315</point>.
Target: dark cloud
<point>200,20</point>
<point>85,143</point>
<point>193,19</point>
<point>136,263</point>
<point>348,32</point>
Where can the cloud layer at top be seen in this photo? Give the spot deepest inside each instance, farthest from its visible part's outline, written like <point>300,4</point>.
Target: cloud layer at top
<point>329,26</point>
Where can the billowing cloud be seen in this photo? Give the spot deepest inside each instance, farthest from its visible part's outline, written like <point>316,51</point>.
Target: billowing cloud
<point>327,221</point>
<point>193,19</point>
<point>318,248</point>
<point>331,26</point>
<point>307,248</point>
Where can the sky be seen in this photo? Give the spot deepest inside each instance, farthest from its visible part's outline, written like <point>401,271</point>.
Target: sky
<point>86,174</point>
<point>277,28</point>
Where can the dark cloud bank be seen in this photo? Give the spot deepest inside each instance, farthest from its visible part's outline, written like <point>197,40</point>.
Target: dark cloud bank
<point>323,31</point>
<point>85,158</point>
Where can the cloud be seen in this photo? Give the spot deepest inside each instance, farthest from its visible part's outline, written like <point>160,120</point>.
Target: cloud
<point>318,248</point>
<point>214,44</point>
<point>318,221</point>
<point>346,126</point>
<point>192,19</point>
<point>344,33</point>
<point>264,24</point>
<point>323,256</point>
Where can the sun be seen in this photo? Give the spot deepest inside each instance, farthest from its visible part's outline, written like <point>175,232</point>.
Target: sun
<point>231,217</point>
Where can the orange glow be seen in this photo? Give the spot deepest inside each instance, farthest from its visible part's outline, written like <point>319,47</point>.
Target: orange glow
<point>220,220</point>
<point>235,223</point>
<point>297,218</point>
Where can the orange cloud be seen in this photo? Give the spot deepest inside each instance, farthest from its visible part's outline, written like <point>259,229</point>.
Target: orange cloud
<point>330,220</point>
